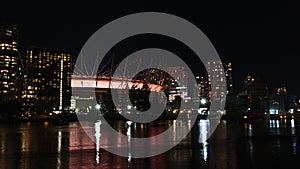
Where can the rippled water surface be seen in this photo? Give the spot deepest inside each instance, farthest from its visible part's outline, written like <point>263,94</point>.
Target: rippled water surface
<point>262,144</point>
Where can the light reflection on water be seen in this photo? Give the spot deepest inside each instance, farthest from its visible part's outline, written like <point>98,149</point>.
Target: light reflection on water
<point>204,126</point>
<point>232,145</point>
<point>97,140</point>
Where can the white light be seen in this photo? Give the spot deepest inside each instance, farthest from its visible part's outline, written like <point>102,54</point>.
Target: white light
<point>129,123</point>
<point>293,123</point>
<point>273,111</point>
<point>98,106</point>
<point>203,101</point>
<point>56,112</point>
<point>61,84</point>
<point>201,110</point>
<point>129,107</point>
<point>97,135</point>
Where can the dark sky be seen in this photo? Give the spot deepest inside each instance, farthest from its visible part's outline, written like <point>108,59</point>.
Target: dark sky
<point>260,39</point>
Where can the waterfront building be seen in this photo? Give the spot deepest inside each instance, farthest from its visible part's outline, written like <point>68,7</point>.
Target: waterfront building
<point>177,85</point>
<point>10,63</point>
<point>216,71</point>
<point>276,105</point>
<point>254,99</point>
<point>203,87</point>
<point>289,99</point>
<point>47,81</point>
<point>229,78</point>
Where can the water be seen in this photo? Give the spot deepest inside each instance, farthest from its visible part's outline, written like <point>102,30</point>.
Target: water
<point>264,144</point>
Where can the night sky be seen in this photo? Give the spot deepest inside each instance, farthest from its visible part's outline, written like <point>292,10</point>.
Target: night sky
<point>261,39</point>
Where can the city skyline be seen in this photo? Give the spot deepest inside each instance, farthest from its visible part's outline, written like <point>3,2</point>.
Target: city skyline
<point>263,43</point>
<point>43,82</point>
<point>132,43</point>
<point>233,37</point>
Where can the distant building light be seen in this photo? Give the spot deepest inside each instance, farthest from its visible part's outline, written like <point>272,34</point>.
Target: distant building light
<point>98,106</point>
<point>203,101</point>
<point>273,111</point>
<point>56,112</point>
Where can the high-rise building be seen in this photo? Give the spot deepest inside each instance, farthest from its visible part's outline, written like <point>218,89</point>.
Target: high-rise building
<point>47,79</point>
<point>254,97</point>
<point>228,75</point>
<point>289,99</point>
<point>203,87</point>
<point>215,72</point>
<point>219,80</point>
<point>9,63</point>
<point>178,84</point>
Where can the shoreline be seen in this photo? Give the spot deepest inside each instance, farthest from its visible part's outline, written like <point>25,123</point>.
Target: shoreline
<point>74,118</point>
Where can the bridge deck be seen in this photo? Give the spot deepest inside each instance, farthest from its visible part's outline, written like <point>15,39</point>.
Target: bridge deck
<point>102,82</point>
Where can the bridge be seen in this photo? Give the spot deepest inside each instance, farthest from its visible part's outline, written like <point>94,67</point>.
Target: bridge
<point>103,83</point>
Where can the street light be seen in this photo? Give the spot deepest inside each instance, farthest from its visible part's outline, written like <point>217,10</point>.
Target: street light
<point>203,101</point>
<point>98,106</point>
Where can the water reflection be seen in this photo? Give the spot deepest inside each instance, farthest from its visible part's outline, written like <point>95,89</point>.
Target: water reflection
<point>97,140</point>
<point>276,140</point>
<point>59,140</point>
<point>249,134</point>
<point>262,144</point>
<point>294,138</point>
<point>128,133</point>
<point>204,126</point>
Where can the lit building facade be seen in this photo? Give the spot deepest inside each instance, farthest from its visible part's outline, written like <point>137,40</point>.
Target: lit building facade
<point>47,81</point>
<point>203,87</point>
<point>276,105</point>
<point>219,80</point>
<point>9,63</point>
<point>178,84</point>
<point>228,75</point>
<point>215,70</point>
<point>289,99</point>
